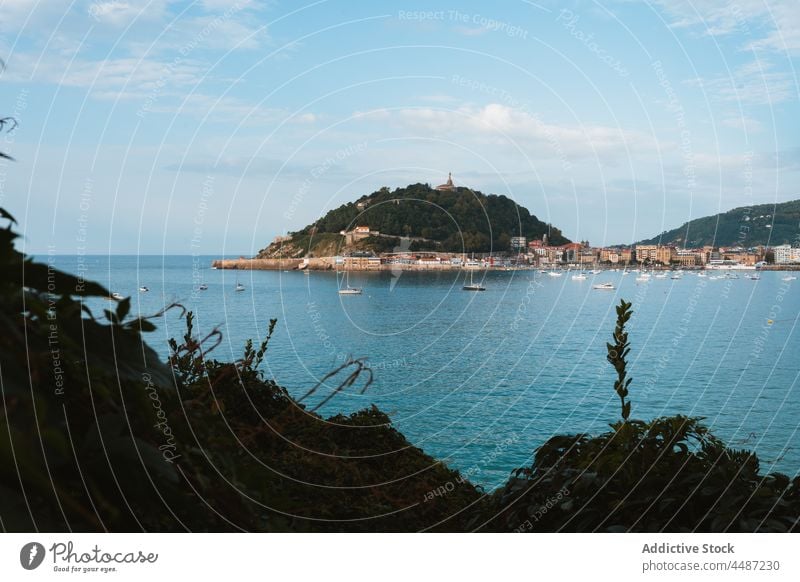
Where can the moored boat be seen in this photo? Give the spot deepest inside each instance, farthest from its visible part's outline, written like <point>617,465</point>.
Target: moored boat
<point>472,286</point>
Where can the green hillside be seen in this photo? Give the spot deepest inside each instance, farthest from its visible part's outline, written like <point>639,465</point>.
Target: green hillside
<point>461,220</point>
<point>749,226</point>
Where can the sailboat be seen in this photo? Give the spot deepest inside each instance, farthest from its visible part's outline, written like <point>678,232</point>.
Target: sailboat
<point>348,290</point>
<point>472,286</point>
<point>239,286</point>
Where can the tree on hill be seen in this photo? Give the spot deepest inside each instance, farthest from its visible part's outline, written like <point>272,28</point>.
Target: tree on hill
<point>749,226</point>
<point>461,220</point>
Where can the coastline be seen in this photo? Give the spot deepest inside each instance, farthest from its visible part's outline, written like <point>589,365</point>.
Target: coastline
<point>365,264</point>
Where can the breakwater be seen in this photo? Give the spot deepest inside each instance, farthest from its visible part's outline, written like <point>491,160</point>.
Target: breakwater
<point>314,264</point>
<point>328,264</point>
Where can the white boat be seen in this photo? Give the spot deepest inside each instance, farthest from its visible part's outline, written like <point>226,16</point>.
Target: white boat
<point>579,277</point>
<point>116,295</point>
<point>661,276</point>
<point>554,274</point>
<point>676,276</point>
<point>203,287</point>
<point>472,286</point>
<point>347,289</point>
<point>143,289</point>
<point>643,279</point>
<point>595,271</point>
<point>239,287</point>
<point>604,286</point>
<point>701,274</point>
<point>754,277</point>
<point>789,278</point>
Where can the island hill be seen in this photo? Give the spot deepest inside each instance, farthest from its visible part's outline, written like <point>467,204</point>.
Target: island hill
<point>413,226</point>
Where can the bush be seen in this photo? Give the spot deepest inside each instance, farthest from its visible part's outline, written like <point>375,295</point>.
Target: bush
<point>123,442</point>
<point>668,474</point>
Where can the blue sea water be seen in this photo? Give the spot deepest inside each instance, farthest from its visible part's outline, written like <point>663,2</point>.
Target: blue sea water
<point>481,379</point>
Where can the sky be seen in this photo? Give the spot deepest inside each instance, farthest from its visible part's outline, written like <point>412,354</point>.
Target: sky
<point>211,127</point>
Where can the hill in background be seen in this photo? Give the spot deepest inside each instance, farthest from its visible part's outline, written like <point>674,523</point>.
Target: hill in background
<point>749,226</point>
<point>419,217</point>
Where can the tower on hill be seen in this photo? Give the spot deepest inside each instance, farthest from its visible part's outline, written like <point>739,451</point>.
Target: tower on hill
<point>449,186</point>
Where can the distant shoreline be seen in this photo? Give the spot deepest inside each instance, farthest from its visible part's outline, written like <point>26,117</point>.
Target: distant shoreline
<point>361,264</point>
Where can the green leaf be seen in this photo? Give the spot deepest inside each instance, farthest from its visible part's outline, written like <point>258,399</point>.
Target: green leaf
<point>7,216</point>
<point>123,307</point>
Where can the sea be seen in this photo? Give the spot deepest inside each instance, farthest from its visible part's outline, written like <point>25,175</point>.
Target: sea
<point>479,380</point>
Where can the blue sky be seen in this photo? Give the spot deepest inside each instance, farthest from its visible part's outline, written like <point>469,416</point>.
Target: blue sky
<point>212,126</point>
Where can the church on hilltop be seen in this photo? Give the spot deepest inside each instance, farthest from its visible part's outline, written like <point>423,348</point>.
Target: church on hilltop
<point>449,186</point>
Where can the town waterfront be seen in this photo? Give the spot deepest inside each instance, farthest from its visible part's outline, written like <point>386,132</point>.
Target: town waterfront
<point>481,379</point>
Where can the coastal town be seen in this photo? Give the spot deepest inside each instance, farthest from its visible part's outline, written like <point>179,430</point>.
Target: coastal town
<point>535,254</point>
<point>363,246</point>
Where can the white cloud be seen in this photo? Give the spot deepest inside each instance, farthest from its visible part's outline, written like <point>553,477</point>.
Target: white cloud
<point>16,14</point>
<point>306,118</point>
<point>755,83</point>
<point>746,124</point>
<point>769,24</point>
<point>503,122</point>
<point>115,12</point>
<point>125,76</point>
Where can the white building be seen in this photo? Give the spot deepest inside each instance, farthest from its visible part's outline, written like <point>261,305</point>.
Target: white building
<point>785,254</point>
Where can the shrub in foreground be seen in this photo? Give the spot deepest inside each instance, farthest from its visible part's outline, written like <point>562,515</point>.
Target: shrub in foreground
<point>669,474</point>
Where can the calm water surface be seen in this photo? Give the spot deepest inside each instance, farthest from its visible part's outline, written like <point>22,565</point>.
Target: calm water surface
<point>482,379</point>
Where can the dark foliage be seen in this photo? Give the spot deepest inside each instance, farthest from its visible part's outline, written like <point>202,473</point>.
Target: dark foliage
<point>764,224</point>
<point>617,354</point>
<point>97,434</point>
<point>669,474</point>
<point>379,244</point>
<point>463,220</point>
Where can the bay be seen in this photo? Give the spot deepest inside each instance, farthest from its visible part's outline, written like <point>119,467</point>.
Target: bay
<point>480,380</point>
